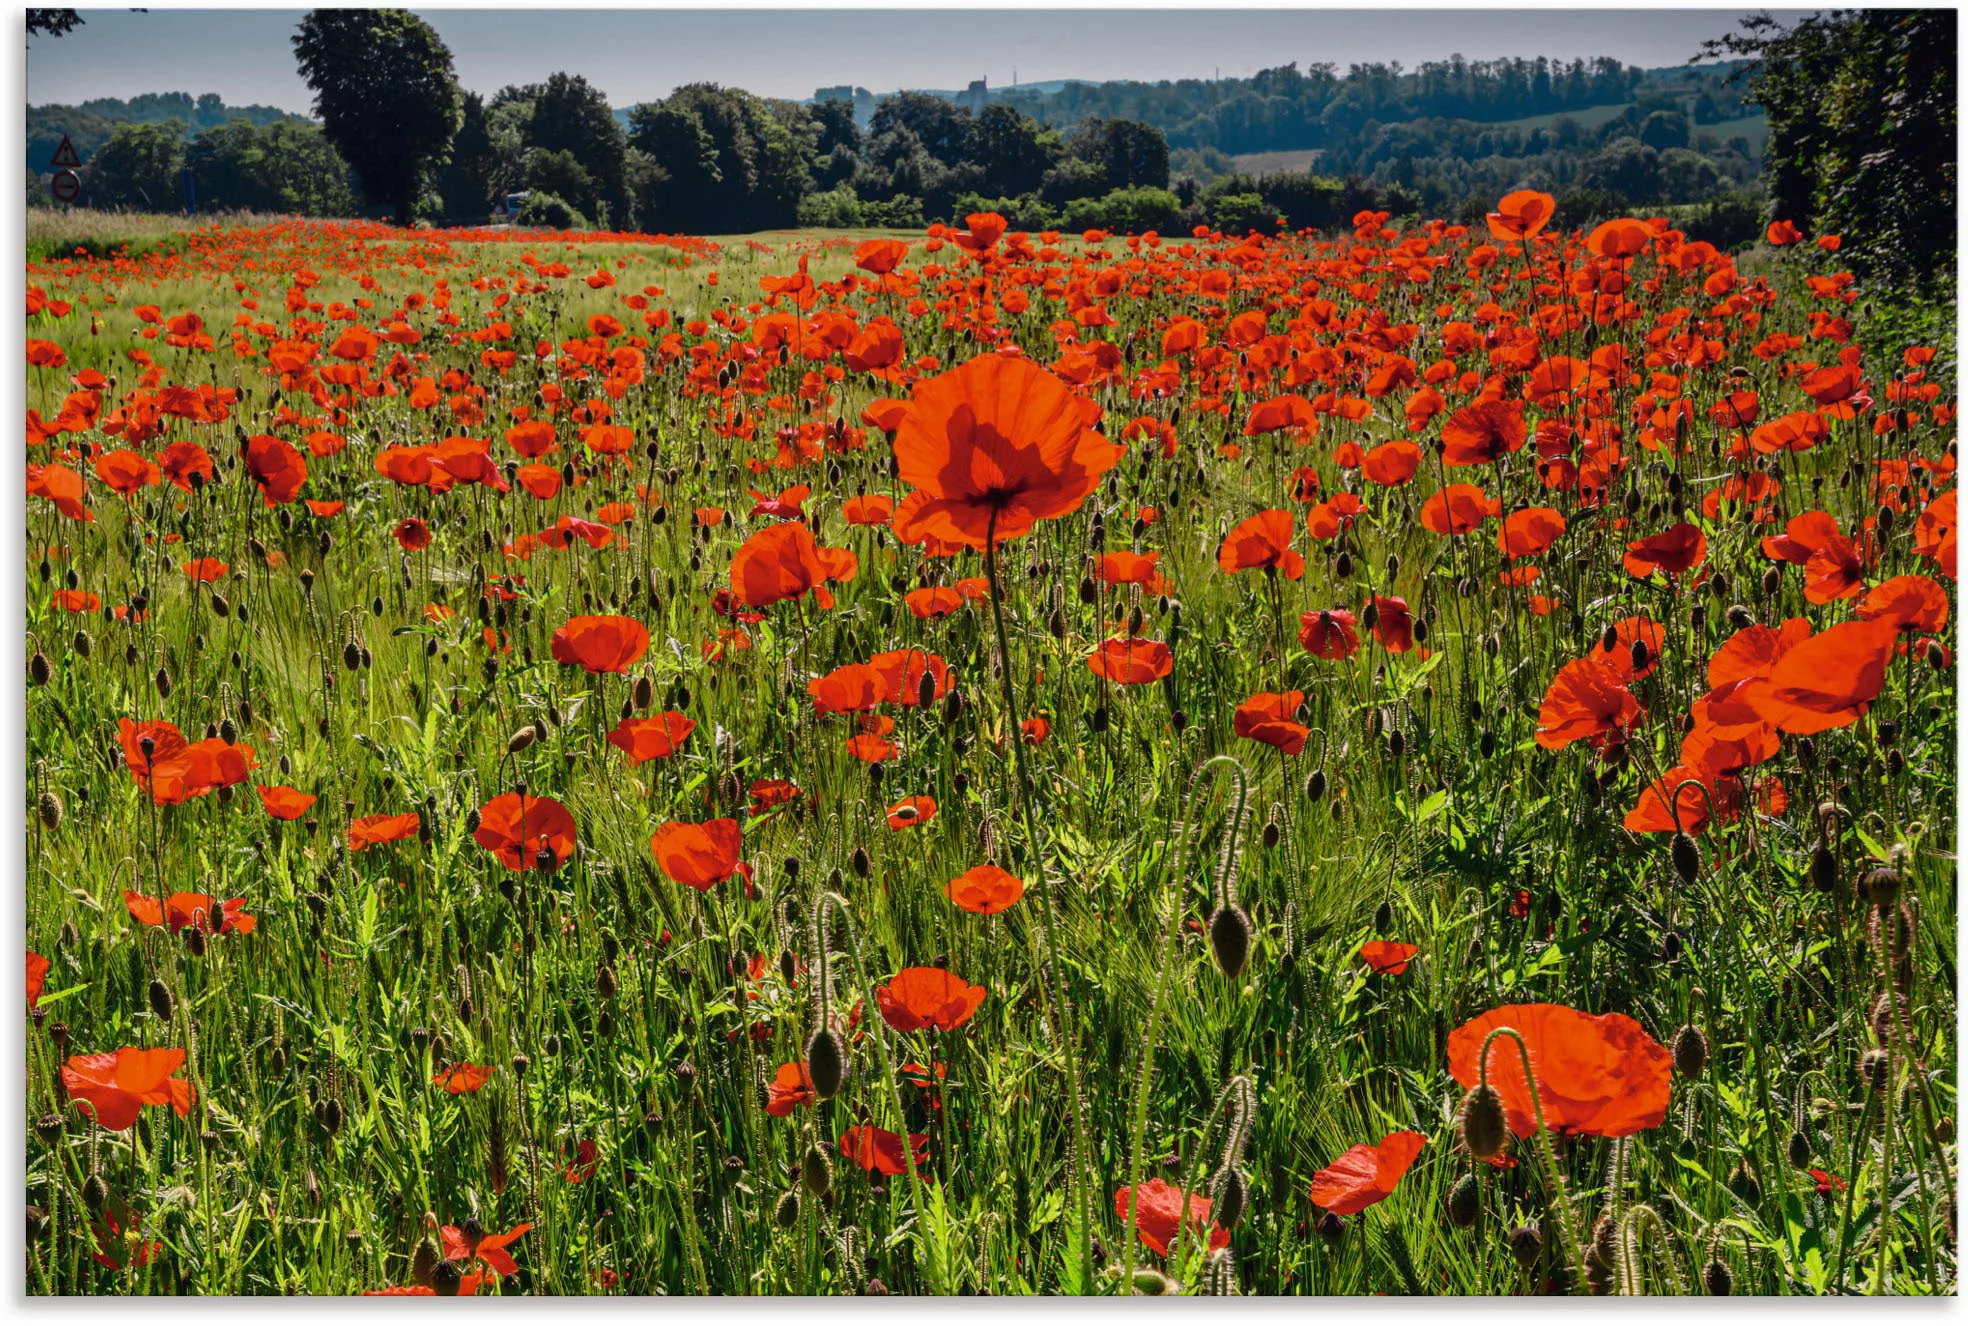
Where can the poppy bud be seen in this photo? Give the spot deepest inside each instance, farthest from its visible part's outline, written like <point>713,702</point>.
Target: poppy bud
<point>1800,1151</point>
<point>194,937</point>
<point>1271,833</point>
<point>1743,1183</point>
<point>817,1170</point>
<point>1671,946</point>
<point>926,689</point>
<point>329,1115</point>
<point>875,1289</point>
<point>1089,592</point>
<point>859,861</point>
<point>160,1000</point>
<point>1330,1228</point>
<point>1944,1129</point>
<point>1056,624</point>
<point>1484,1127</point>
<point>1097,720</point>
<point>1419,630</point>
<point>1772,580</point>
<point>826,1062</point>
<point>1233,1198</point>
<point>1343,565</point>
<point>446,1279</point>
<point>83,644</point>
<point>1383,917</point>
<point>38,670</point>
<point>1807,752</point>
<point>605,1025</point>
<point>1718,1279</point>
<point>1937,658</point>
<point>95,1192</point>
<point>1690,1050</point>
<point>1230,939</point>
<point>1526,1245</point>
<point>644,693</point>
<point>48,1128</point>
<point>786,1212</point>
<point>1465,1202</point>
<point>163,681</point>
<point>1370,615</point>
<point>1686,857</point>
<point>605,982</point>
<point>1315,785</point>
<point>50,809</point>
<point>1882,886</point>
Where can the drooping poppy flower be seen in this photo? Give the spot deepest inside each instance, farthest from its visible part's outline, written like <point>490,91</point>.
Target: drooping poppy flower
<point>1586,701</point>
<point>992,447</point>
<point>1262,542</point>
<point>932,602</point>
<point>1601,1075</point>
<point>780,563</point>
<point>878,1149</point>
<point>1162,1212</point>
<point>465,1079</point>
<point>789,1089</point>
<point>1384,957</point>
<point>1271,719</point>
<point>699,856</point>
<point>526,832</point>
<point>1366,1174</point>
<point>374,829</point>
<point>924,998</point>
<point>911,812</point>
<point>985,890</point>
<point>470,1244</point>
<point>1827,681</point>
<point>1131,660</point>
<point>1676,551</point>
<point>601,644</point>
<point>1330,633</point>
<point>202,910</point>
<point>654,738</point>
<point>285,803</point>
<point>117,1086</point>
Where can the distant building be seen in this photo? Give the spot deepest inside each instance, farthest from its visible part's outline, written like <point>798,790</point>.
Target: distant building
<point>974,96</point>
<point>864,100</point>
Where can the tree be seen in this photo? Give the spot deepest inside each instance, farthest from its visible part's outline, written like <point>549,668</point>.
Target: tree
<point>1861,105</point>
<point>1014,151</point>
<point>52,22</point>
<point>138,167</point>
<point>283,167</point>
<point>943,129</point>
<point>570,115</point>
<point>835,120</point>
<point>1130,154</point>
<point>385,93</point>
<point>466,184</point>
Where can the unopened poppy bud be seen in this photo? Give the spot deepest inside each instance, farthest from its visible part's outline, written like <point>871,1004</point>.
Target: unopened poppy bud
<point>1743,1183</point>
<point>50,809</point>
<point>1690,1050</point>
<point>1097,720</point>
<point>875,1289</point>
<point>605,982</point>
<point>1718,1279</point>
<point>48,1128</point>
<point>446,1279</point>
<point>786,1212</point>
<point>1230,939</point>
<point>95,1192</point>
<point>1526,1245</point>
<point>1383,917</point>
<point>1315,785</point>
<point>1772,580</point>
<point>1686,857</point>
<point>817,1170</point>
<point>1232,1198</point>
<point>1465,1202</point>
<point>1944,1129</point>
<point>194,938</point>
<point>1882,886</point>
<point>926,689</point>
<point>519,740</point>
<point>1343,565</point>
<point>1330,1228</point>
<point>37,1224</point>
<point>38,670</point>
<point>329,1115</point>
<point>1824,869</point>
<point>1272,833</point>
<point>826,1062</point>
<point>1799,1151</point>
<point>1937,658</point>
<point>859,861</point>
<point>1484,1127</point>
<point>82,644</point>
<point>163,681</point>
<point>788,966</point>
<point>160,1000</point>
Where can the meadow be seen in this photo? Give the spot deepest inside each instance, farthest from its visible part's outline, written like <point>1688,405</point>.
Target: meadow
<point>1410,761</point>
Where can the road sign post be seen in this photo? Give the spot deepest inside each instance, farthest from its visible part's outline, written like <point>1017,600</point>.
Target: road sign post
<point>66,186</point>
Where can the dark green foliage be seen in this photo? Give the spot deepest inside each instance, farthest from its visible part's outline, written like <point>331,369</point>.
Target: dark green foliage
<point>571,118</point>
<point>136,169</point>
<point>284,167</point>
<point>52,22</point>
<point>721,160</point>
<point>1862,133</point>
<point>384,89</point>
<point>545,211</point>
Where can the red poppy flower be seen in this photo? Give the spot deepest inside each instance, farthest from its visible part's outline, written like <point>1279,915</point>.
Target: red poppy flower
<point>996,444</point>
<point>374,829</point>
<point>932,602</point>
<point>928,997</point>
<point>465,1079</point>
<point>601,644</point>
<point>1384,957</point>
<point>789,1089</point>
<point>118,1245</point>
<point>1483,433</point>
<point>1912,603</point>
<point>1393,624</point>
<point>1529,532</point>
<point>471,1245</point>
<point>276,467</point>
<point>1601,1075</point>
<point>1270,718</point>
<point>1391,464</point>
<point>77,600</point>
<point>779,563</point>
<point>1457,509</point>
<point>1263,541</point>
<point>1827,681</point>
<point>1521,215</point>
<point>37,977</point>
<point>880,256</point>
<point>654,738</point>
<point>285,803</point>
<point>413,534</point>
<point>901,673</point>
<point>526,832</point>
<point>1161,1213</point>
<point>878,1149</point>
<point>586,1160</point>
<point>1586,701</point>
<point>867,510</point>
<point>697,855</point>
<point>1618,657</point>
<point>911,812</point>
<point>194,909</point>
<point>117,1086</point>
<point>985,890</point>
<point>1366,1174</point>
<point>1677,551</point>
<point>1280,412</point>
<point>1329,633</point>
<point>1131,661</point>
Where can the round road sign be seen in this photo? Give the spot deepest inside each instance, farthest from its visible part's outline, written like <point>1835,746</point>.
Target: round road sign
<point>66,186</point>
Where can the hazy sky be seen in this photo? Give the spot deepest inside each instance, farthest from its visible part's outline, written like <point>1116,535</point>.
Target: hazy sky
<point>640,55</point>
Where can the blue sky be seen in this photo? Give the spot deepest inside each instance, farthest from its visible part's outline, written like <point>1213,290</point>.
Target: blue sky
<point>641,55</point>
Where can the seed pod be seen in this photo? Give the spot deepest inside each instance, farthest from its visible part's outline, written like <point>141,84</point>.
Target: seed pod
<point>50,809</point>
<point>1230,939</point>
<point>1484,1127</point>
<point>1465,1202</point>
<point>1690,1049</point>
<point>826,1062</point>
<point>1882,886</point>
<point>49,1129</point>
<point>446,1279</point>
<point>817,1170</point>
<point>1686,857</point>
<point>786,1212</point>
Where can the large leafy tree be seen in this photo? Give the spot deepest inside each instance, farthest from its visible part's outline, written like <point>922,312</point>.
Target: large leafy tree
<point>386,95</point>
<point>52,22</point>
<point>137,168</point>
<point>1861,105</point>
<point>570,115</point>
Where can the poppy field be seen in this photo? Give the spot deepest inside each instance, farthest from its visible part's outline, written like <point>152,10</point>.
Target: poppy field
<point>1410,761</point>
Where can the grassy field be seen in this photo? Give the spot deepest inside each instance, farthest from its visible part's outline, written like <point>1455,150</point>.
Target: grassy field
<point>539,658</point>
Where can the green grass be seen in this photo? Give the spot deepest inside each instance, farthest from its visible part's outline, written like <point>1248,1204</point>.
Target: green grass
<point>319,1153</point>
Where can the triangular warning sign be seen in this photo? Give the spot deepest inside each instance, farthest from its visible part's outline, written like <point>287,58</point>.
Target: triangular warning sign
<point>65,158</point>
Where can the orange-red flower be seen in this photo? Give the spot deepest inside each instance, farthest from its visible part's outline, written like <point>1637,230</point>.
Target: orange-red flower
<point>789,1089</point>
<point>928,998</point>
<point>37,977</point>
<point>1366,1174</point>
<point>1676,550</point>
<point>374,829</point>
<point>465,1079</point>
<point>1827,681</point>
<point>1521,215</point>
<point>878,1149</point>
<point>985,890</point>
<point>911,812</point>
<point>700,856</point>
<point>1131,661</point>
<point>285,803</point>
<point>1263,541</point>
<point>1384,957</point>
<point>116,1087</point>
<point>526,832</point>
<point>471,1244</point>
<point>654,738</point>
<point>992,447</point>
<point>601,644</point>
<point>1330,633</point>
<point>1272,719</point>
<point>194,909</point>
<point>1586,701</point>
<point>1601,1075</point>
<point>1162,1212</point>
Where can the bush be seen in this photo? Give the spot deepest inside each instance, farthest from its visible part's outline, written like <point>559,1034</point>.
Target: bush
<point>1022,213</point>
<point>1240,213</point>
<point>1128,211</point>
<point>546,211</point>
<point>836,209</point>
<point>902,212</point>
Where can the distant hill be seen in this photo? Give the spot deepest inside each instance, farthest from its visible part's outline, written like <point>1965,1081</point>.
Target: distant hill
<point>89,125</point>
